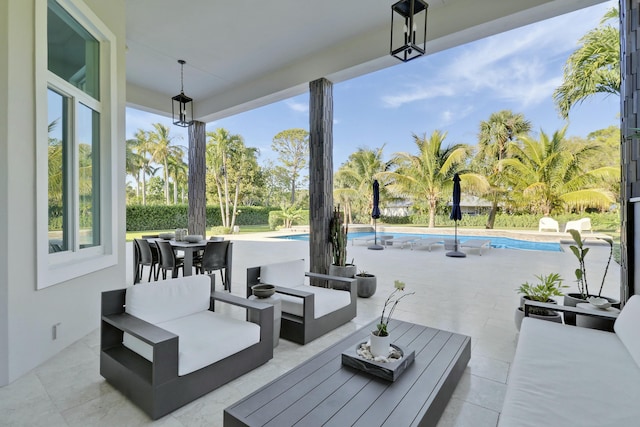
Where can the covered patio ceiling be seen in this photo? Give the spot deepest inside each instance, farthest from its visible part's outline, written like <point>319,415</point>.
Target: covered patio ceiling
<point>243,54</point>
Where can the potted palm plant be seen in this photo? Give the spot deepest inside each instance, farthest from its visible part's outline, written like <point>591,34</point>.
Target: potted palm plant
<point>338,231</point>
<point>548,286</point>
<point>583,294</point>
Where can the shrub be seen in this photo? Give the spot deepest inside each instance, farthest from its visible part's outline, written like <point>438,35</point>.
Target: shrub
<point>162,217</point>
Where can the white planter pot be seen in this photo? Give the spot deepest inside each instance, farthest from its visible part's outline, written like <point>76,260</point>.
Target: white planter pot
<point>380,345</point>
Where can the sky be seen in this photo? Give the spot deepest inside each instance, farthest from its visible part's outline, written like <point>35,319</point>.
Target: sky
<point>451,91</point>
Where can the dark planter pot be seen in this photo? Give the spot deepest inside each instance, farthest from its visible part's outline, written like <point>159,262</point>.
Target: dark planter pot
<point>572,300</point>
<point>554,316</point>
<point>348,270</point>
<point>366,285</point>
<point>551,316</point>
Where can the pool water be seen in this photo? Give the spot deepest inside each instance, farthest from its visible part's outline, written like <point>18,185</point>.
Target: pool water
<point>496,242</point>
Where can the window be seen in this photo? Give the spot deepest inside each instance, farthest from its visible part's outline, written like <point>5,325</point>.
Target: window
<point>77,182</point>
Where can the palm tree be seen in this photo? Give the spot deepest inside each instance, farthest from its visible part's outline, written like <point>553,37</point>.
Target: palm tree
<point>355,179</point>
<point>134,163</point>
<point>142,146</point>
<point>226,157</point>
<point>428,175</point>
<point>592,68</point>
<point>161,151</point>
<point>177,169</point>
<point>493,142</point>
<point>548,174</point>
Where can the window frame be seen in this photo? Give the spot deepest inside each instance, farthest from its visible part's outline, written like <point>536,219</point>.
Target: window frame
<point>59,267</point>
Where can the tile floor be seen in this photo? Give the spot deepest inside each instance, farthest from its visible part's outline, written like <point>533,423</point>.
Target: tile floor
<point>473,296</point>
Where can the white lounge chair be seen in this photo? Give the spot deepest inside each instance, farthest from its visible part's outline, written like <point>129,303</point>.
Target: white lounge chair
<point>400,242</point>
<point>427,242</point>
<point>476,244</point>
<point>547,223</point>
<point>582,224</point>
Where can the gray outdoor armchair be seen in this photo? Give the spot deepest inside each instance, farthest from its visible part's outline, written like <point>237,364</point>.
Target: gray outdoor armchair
<point>308,312</point>
<point>162,344</point>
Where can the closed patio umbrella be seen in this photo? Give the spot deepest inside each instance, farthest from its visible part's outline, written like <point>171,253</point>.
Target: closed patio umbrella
<point>456,215</point>
<point>375,214</point>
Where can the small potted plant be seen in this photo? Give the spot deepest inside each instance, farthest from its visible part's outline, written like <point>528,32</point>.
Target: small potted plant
<point>380,338</point>
<point>583,294</point>
<point>366,284</point>
<point>548,286</point>
<point>338,231</point>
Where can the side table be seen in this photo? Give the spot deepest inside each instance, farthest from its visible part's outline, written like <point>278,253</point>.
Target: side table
<point>594,322</point>
<point>276,301</point>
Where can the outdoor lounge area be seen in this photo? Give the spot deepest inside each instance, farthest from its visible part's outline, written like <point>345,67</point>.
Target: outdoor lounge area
<point>72,71</point>
<point>69,391</point>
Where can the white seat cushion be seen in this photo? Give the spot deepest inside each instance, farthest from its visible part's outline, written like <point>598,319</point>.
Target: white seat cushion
<point>203,339</point>
<point>569,376</point>
<point>627,327</point>
<point>326,301</point>
<point>168,299</point>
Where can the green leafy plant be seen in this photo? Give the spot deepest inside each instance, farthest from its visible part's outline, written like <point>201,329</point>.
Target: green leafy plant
<point>581,272</point>
<point>392,300</point>
<point>338,237</point>
<point>549,286</point>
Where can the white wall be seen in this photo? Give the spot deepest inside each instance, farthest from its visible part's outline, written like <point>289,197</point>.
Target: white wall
<point>27,315</point>
<point>4,183</point>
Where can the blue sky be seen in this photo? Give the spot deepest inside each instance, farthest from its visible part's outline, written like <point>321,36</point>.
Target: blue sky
<point>451,91</point>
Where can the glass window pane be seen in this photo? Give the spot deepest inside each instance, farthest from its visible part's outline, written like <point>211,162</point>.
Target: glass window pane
<point>58,121</point>
<point>89,176</point>
<point>73,53</point>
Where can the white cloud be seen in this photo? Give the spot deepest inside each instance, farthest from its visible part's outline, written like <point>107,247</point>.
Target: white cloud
<point>297,106</point>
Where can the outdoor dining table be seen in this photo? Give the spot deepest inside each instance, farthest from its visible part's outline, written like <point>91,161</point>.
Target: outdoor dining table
<point>188,248</point>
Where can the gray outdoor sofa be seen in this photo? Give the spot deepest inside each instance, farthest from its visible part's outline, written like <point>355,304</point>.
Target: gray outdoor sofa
<point>308,312</point>
<point>162,345</point>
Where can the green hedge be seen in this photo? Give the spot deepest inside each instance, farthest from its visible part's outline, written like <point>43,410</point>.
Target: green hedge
<point>159,217</point>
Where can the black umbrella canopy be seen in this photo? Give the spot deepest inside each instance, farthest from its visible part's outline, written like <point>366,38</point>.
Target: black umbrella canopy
<point>456,213</point>
<point>375,212</point>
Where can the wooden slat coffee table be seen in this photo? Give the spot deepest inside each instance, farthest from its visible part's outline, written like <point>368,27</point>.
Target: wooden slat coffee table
<point>321,391</point>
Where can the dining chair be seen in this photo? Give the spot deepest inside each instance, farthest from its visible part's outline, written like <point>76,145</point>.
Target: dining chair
<point>168,259</point>
<point>146,258</point>
<point>217,256</point>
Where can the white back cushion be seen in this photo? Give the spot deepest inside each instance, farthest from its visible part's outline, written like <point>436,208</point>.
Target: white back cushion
<point>627,327</point>
<point>168,299</point>
<point>289,274</point>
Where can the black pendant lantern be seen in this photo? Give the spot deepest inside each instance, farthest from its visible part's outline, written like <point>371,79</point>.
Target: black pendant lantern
<point>182,105</point>
<point>408,29</point>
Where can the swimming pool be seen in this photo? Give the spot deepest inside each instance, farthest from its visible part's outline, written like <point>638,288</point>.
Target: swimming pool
<point>496,242</point>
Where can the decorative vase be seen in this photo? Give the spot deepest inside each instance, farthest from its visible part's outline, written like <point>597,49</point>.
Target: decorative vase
<point>348,270</point>
<point>379,346</point>
<point>366,285</point>
<point>572,300</point>
<point>519,315</point>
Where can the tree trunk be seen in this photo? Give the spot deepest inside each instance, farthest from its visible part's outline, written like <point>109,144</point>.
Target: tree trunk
<point>144,188</point>
<point>175,191</point>
<point>492,215</point>
<point>166,183</point>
